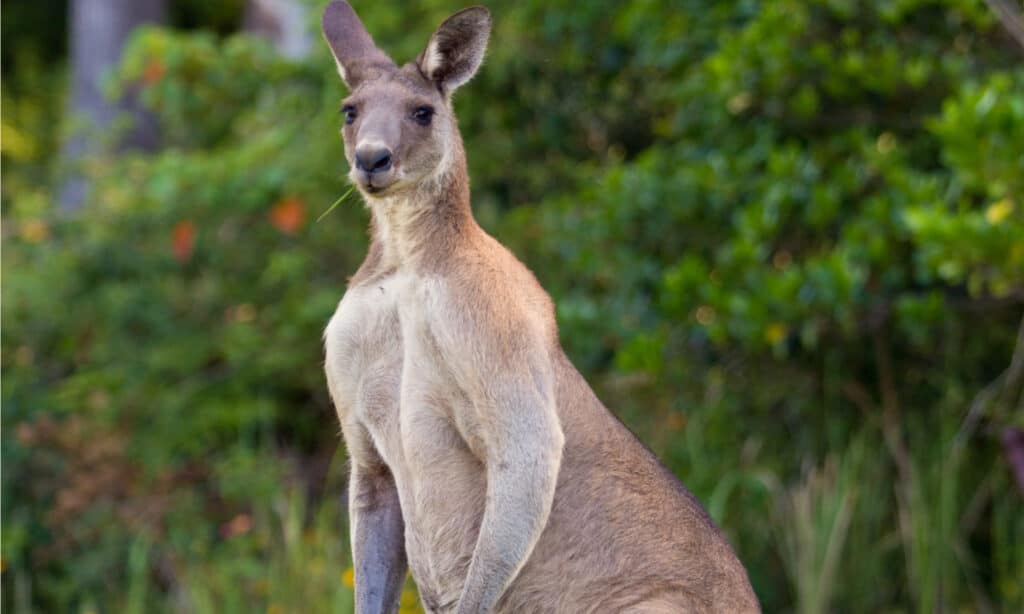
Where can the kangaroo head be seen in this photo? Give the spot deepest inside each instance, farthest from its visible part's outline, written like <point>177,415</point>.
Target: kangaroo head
<point>399,128</point>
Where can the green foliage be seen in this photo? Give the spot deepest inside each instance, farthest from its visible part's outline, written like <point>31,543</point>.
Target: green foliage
<point>784,239</point>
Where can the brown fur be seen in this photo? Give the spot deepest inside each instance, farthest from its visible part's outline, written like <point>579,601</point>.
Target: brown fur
<point>480,455</point>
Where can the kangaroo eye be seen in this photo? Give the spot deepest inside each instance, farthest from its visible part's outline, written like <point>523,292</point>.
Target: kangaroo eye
<point>349,112</point>
<point>423,115</point>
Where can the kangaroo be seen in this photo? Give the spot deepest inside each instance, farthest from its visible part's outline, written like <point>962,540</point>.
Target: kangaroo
<point>479,455</point>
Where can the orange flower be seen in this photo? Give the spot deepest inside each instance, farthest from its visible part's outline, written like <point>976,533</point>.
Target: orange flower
<point>153,72</point>
<point>239,525</point>
<point>183,240</point>
<point>288,215</point>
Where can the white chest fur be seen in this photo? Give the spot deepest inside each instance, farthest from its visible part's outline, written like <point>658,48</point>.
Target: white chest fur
<point>384,371</point>
<point>389,379</point>
<point>364,356</point>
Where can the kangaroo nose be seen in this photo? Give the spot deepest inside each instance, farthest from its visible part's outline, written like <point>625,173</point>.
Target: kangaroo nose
<point>373,160</point>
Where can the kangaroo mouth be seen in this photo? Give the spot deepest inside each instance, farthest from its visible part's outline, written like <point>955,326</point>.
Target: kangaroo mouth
<point>376,190</point>
<point>375,185</point>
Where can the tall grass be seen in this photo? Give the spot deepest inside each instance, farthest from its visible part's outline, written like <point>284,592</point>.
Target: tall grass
<point>929,515</point>
<point>812,521</point>
<point>283,558</point>
<point>280,559</point>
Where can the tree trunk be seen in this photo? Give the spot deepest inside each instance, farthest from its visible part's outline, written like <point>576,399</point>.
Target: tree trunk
<point>98,31</point>
<point>283,22</point>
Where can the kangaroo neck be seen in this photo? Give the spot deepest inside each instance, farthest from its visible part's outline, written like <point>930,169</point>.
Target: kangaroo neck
<point>422,226</point>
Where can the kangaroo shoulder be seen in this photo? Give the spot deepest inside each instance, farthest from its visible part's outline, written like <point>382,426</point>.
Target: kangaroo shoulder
<point>495,295</point>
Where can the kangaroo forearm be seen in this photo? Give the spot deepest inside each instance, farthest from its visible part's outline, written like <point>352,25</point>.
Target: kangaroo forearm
<point>519,502</point>
<point>378,548</point>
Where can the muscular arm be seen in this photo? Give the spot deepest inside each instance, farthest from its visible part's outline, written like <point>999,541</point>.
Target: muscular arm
<point>512,389</point>
<point>522,468</point>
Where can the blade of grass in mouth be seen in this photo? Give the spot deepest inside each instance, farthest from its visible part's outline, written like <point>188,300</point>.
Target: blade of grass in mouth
<point>336,203</point>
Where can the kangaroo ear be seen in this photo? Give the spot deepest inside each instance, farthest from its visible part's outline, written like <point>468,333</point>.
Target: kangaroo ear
<point>353,48</point>
<point>456,48</point>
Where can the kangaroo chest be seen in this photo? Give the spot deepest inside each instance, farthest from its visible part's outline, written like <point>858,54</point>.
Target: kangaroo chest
<point>390,377</point>
<point>363,343</point>
<point>366,356</point>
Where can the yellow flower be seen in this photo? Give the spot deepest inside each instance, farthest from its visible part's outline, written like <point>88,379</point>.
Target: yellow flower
<point>775,333</point>
<point>348,578</point>
<point>275,609</point>
<point>886,142</point>
<point>410,599</point>
<point>998,211</point>
<point>739,103</point>
<point>16,143</point>
<point>35,231</point>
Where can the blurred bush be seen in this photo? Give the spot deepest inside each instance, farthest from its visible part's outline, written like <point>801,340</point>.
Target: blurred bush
<point>785,241</point>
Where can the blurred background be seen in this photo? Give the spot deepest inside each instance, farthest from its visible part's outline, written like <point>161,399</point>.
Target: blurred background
<point>785,238</point>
